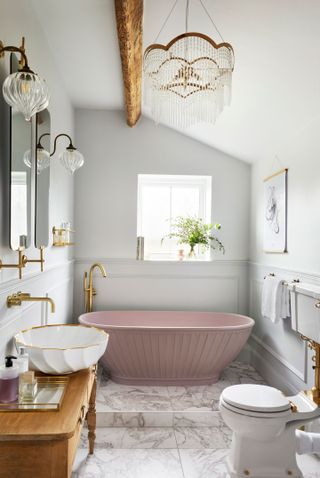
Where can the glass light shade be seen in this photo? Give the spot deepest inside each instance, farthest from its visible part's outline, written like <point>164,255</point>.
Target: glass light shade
<point>43,159</point>
<point>26,92</point>
<point>189,80</point>
<point>71,159</point>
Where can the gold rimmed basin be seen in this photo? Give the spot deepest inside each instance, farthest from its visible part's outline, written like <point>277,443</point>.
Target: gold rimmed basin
<point>62,348</point>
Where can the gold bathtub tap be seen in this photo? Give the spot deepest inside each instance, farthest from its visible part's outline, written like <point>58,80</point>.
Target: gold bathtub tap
<point>90,291</point>
<point>19,297</point>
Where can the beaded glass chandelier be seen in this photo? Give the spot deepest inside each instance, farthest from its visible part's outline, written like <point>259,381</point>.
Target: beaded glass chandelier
<point>188,80</point>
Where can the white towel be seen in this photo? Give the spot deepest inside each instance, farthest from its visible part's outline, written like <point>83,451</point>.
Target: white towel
<point>275,303</point>
<point>307,442</point>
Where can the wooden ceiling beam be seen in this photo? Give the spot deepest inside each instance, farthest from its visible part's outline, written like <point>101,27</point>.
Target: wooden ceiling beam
<point>129,15</point>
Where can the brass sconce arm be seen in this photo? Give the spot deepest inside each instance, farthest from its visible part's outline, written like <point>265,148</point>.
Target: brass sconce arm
<point>89,291</point>
<point>25,260</point>
<point>71,158</point>
<point>19,266</point>
<point>19,297</point>
<point>70,147</point>
<point>15,49</point>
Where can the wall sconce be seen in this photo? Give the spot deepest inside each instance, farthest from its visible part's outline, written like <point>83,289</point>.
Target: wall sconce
<point>43,158</point>
<point>24,90</point>
<point>71,158</point>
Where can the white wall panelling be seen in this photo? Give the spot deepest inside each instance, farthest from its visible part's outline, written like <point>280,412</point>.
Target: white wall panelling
<point>56,282</point>
<point>131,284</point>
<point>276,350</point>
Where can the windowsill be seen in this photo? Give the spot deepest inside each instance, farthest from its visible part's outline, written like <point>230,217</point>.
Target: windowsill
<point>176,260</point>
<point>174,257</point>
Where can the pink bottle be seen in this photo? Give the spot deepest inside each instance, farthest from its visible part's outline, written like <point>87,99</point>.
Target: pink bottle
<point>9,381</point>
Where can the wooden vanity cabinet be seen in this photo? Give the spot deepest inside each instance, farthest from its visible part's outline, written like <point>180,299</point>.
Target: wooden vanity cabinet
<point>43,444</point>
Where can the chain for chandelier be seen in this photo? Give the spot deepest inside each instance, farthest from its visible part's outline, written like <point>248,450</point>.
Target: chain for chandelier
<point>188,80</point>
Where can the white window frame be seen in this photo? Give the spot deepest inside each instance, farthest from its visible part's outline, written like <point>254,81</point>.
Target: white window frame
<point>204,184</point>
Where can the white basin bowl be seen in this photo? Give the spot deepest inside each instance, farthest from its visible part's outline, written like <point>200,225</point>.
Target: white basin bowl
<point>60,349</point>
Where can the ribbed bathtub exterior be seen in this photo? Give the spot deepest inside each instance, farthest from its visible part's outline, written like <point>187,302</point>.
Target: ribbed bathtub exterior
<point>174,353</point>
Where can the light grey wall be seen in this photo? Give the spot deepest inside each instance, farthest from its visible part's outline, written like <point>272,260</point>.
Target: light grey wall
<point>106,187</point>
<point>18,19</point>
<point>106,217</point>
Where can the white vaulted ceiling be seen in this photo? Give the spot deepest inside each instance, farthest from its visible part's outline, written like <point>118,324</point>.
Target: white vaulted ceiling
<point>276,82</point>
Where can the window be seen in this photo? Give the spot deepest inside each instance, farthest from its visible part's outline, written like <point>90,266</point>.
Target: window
<point>161,198</point>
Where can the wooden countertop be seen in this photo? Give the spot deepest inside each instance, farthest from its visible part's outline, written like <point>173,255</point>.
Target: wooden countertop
<point>50,425</point>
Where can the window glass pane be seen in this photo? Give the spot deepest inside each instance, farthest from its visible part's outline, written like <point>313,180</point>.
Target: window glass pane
<point>155,215</point>
<point>161,199</point>
<point>185,201</point>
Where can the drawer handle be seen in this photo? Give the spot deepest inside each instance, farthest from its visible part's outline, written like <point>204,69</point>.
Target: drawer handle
<point>82,414</point>
<point>317,305</point>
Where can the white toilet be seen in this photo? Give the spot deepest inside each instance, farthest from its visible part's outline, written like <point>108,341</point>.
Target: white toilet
<point>263,422</point>
<point>263,419</point>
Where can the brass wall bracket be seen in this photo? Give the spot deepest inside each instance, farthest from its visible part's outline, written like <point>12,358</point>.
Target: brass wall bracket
<point>315,391</point>
<point>41,261</point>
<point>1,49</point>
<point>21,264</point>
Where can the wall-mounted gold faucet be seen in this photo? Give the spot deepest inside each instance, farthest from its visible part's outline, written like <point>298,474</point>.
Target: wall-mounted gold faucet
<point>19,297</point>
<point>89,291</point>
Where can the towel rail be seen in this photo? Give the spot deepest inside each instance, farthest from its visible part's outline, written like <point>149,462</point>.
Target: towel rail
<point>272,274</point>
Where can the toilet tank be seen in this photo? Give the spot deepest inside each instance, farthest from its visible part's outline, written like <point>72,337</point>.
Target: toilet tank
<point>305,309</point>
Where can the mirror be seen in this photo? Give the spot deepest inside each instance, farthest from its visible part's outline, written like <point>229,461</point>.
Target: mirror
<point>43,124</point>
<point>20,176</point>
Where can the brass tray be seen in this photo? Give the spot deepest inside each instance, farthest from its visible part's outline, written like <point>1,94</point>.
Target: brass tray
<point>49,396</point>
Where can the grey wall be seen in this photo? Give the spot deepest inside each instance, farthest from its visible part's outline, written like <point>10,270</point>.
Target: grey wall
<point>106,187</point>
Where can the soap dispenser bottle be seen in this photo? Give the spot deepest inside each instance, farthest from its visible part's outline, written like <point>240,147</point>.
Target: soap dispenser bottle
<point>9,381</point>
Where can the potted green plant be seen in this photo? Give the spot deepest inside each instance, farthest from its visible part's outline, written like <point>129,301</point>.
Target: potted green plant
<point>193,231</point>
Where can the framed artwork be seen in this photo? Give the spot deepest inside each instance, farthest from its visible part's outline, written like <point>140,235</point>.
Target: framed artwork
<point>275,212</point>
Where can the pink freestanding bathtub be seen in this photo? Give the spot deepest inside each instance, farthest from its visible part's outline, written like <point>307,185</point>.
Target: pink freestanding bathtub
<point>169,348</point>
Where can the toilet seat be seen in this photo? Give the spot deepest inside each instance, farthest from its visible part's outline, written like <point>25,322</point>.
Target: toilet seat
<point>256,400</point>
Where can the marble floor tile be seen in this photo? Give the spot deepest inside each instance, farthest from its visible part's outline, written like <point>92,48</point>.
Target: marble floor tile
<point>131,438</point>
<point>130,464</point>
<point>198,418</point>
<point>203,437</point>
<point>239,372</point>
<point>190,398</point>
<point>114,397</point>
<point>204,463</point>
<point>135,419</point>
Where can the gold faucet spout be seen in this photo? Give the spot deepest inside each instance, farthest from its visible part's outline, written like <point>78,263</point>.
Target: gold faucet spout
<point>97,265</point>
<point>89,290</point>
<point>19,297</point>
